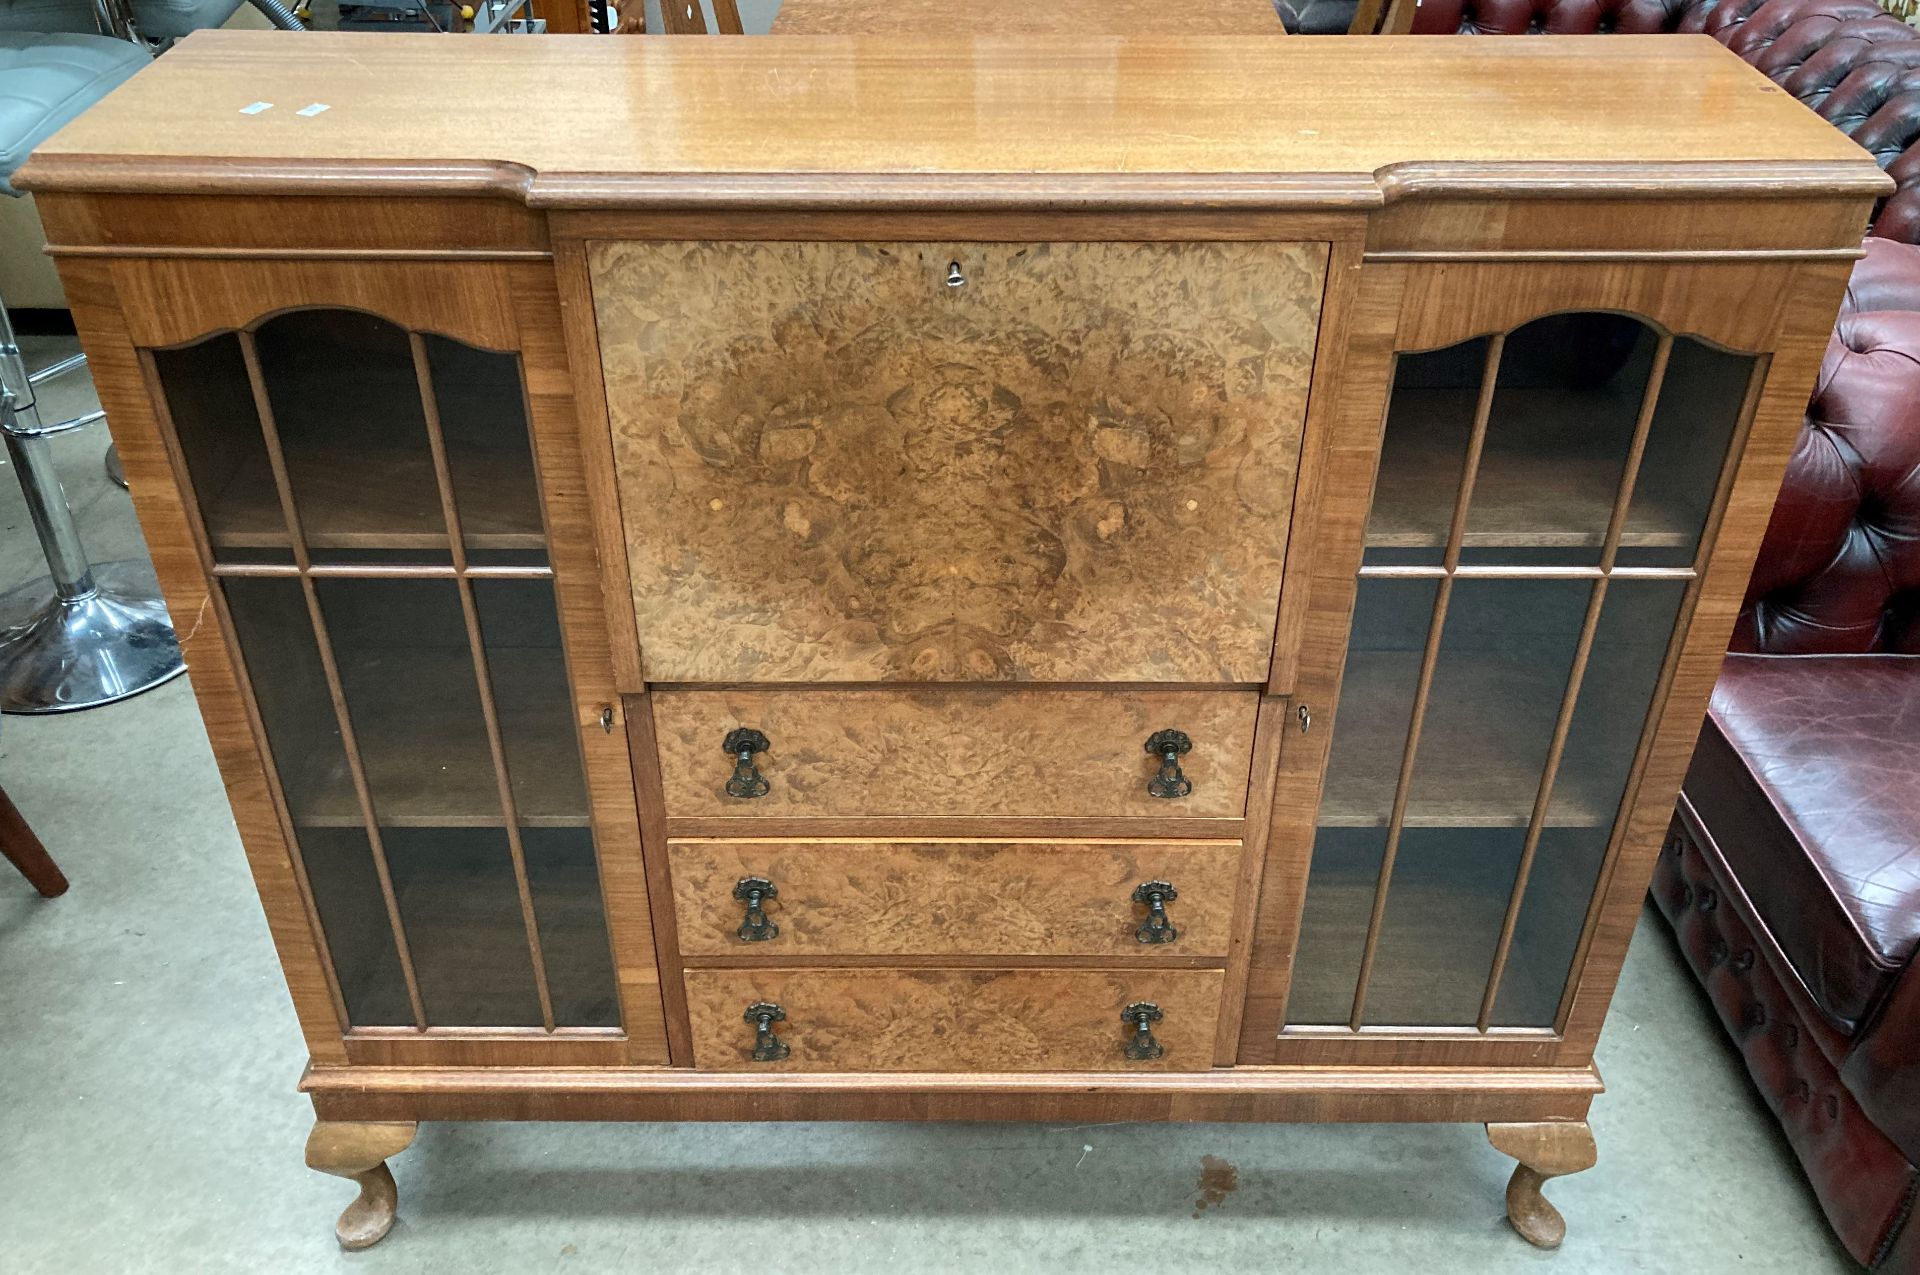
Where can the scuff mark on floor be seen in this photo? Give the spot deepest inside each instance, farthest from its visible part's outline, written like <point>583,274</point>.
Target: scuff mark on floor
<point>1218,1179</point>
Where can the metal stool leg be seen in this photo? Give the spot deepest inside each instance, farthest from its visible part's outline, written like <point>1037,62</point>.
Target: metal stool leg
<point>103,634</point>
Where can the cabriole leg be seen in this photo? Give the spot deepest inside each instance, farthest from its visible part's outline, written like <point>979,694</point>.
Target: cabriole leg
<point>359,1152</point>
<point>1545,1150</point>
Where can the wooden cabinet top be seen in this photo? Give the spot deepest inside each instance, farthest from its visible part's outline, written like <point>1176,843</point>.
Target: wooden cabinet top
<point>579,121</point>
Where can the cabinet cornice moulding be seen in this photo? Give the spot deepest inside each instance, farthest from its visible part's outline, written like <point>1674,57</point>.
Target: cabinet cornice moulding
<point>947,191</point>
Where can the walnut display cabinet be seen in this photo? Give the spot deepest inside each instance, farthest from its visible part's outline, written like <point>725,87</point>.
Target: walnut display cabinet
<point>1047,580</point>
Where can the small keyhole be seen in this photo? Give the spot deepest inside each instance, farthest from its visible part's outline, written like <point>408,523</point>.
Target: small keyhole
<point>1306,719</point>
<point>954,278</point>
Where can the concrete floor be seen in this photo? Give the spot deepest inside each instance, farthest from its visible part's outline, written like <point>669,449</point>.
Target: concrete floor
<point>148,1119</point>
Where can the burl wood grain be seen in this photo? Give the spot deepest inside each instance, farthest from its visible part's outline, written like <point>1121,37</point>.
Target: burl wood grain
<point>953,1020</point>
<point>920,898</point>
<point>954,751</point>
<point>1077,466</point>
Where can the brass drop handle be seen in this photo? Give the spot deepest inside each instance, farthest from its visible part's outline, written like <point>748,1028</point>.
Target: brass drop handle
<point>754,892</point>
<point>1141,1046</point>
<point>1170,746</point>
<point>955,278</point>
<point>742,743</point>
<point>767,1047</point>
<point>1156,895</point>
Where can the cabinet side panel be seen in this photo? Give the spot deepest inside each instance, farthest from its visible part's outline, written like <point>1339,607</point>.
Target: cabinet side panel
<point>557,440</point>
<point>122,389</point>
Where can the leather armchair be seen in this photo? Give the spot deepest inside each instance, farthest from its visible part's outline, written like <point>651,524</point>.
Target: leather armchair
<point>1792,877</point>
<point>1792,868</point>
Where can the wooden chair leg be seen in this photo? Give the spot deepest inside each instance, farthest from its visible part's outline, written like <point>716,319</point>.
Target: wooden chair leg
<point>24,851</point>
<point>1544,1150</point>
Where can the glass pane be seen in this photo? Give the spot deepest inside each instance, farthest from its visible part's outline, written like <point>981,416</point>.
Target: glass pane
<point>489,453</point>
<point>1566,868</point>
<point>346,892</point>
<point>1333,923</point>
<point>1505,656</point>
<point>1429,419</point>
<point>401,647</point>
<point>1390,621</point>
<point>1449,893</point>
<point>346,403</point>
<point>520,625</point>
<point>1564,408</point>
<point>276,639</point>
<point>461,910</point>
<point>1693,426</point>
<point>211,403</point>
<point>565,877</point>
<point>1630,644</point>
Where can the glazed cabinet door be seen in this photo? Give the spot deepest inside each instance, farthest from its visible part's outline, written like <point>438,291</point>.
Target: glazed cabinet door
<point>1542,517</point>
<point>413,615</point>
<point>871,462</point>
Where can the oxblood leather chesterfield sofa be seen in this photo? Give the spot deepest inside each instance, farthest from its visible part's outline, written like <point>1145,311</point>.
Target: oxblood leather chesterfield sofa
<point>1792,872</point>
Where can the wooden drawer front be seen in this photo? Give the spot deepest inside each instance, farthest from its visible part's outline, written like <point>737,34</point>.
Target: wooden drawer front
<point>953,1020</point>
<point>1073,463</point>
<point>957,751</point>
<point>936,898</point>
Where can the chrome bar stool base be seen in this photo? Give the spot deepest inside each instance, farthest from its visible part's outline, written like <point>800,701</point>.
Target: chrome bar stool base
<point>60,654</point>
<point>83,634</point>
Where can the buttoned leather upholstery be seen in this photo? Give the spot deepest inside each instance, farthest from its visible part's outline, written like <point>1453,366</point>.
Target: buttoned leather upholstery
<point>1865,1181</point>
<point>1839,568</point>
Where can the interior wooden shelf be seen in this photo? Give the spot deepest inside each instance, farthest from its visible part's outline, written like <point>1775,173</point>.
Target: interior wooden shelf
<point>1488,718</point>
<point>434,769</point>
<point>359,500</point>
<point>1547,479</point>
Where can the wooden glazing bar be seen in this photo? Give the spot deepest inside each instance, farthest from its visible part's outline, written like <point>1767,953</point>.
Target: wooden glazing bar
<point>1569,700</point>
<point>216,597</point>
<point>483,675</point>
<point>1480,571</point>
<point>1429,658</point>
<point>370,571</point>
<point>330,671</point>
